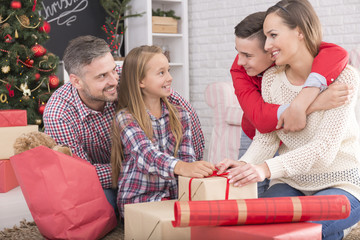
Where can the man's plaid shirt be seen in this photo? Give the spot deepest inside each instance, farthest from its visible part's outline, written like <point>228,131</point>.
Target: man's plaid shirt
<point>148,165</point>
<point>70,122</point>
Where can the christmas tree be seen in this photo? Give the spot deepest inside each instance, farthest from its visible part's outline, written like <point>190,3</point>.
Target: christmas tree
<point>27,76</point>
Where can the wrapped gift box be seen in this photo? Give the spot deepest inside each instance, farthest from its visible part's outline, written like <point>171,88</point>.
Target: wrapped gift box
<point>164,25</point>
<point>8,137</point>
<point>13,118</point>
<point>281,231</point>
<point>213,188</point>
<point>152,220</point>
<point>7,176</point>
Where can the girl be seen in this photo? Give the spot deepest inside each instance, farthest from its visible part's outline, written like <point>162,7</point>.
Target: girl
<point>151,137</point>
<point>323,158</point>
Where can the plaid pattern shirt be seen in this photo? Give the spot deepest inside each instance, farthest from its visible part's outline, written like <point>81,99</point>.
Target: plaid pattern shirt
<point>87,132</point>
<point>68,120</point>
<point>198,139</point>
<point>148,166</point>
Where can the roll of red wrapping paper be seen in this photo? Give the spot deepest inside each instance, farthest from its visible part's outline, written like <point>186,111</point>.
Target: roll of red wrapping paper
<point>261,210</point>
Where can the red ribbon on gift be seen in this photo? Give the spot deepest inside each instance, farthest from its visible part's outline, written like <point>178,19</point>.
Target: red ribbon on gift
<point>214,174</point>
<point>260,211</point>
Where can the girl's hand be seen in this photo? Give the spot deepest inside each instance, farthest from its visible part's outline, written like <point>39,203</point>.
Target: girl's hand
<point>194,169</point>
<point>248,173</point>
<point>227,163</point>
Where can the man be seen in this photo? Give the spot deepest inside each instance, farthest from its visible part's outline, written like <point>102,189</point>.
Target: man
<point>252,61</point>
<point>79,114</point>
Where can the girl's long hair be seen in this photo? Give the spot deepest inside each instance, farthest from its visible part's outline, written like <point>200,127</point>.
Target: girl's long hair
<point>130,98</point>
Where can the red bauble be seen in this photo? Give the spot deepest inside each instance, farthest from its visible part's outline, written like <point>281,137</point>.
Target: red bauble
<point>53,81</point>
<point>37,76</point>
<point>15,4</point>
<point>45,27</point>
<point>29,62</point>
<point>41,108</point>
<point>38,50</point>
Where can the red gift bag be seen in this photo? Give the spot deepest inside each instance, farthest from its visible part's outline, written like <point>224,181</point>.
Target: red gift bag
<point>63,194</point>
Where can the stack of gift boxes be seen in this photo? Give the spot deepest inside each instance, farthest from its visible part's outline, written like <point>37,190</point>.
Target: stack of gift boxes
<point>13,123</point>
<point>155,220</point>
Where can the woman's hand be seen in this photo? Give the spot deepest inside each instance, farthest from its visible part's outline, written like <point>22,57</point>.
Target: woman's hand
<point>227,163</point>
<point>194,169</point>
<point>248,173</point>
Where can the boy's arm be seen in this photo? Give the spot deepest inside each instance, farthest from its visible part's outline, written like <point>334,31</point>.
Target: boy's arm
<point>327,66</point>
<point>248,92</point>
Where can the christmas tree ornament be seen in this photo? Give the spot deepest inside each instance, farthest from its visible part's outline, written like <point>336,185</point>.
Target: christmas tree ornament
<point>42,108</point>
<point>3,98</point>
<point>24,20</point>
<point>15,4</point>
<point>34,6</point>
<point>5,69</point>
<point>8,38</point>
<point>16,34</point>
<point>11,92</point>
<point>38,121</point>
<point>45,27</point>
<point>53,81</point>
<point>29,62</point>
<point>25,89</point>
<point>25,98</point>
<point>37,76</point>
<point>38,50</point>
<point>5,25</point>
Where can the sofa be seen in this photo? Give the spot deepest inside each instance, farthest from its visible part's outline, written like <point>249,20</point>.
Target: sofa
<point>227,114</point>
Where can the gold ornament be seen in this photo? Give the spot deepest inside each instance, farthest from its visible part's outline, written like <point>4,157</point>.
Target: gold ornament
<point>5,25</point>
<point>25,98</point>
<point>3,98</point>
<point>24,20</point>
<point>38,121</point>
<point>16,34</point>
<point>5,69</point>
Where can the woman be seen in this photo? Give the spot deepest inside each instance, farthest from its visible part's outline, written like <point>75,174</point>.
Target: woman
<point>323,158</point>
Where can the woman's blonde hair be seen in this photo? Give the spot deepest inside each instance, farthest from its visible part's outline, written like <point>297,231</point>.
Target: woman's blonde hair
<point>300,13</point>
<point>130,98</point>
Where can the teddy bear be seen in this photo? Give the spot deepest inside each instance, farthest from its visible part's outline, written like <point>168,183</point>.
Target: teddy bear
<point>31,140</point>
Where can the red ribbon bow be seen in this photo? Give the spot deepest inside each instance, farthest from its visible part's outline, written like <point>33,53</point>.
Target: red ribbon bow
<point>214,174</point>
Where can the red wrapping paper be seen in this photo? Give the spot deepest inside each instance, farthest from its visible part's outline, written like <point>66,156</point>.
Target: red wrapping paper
<point>280,231</point>
<point>13,118</point>
<point>8,179</point>
<point>261,211</point>
<point>63,194</point>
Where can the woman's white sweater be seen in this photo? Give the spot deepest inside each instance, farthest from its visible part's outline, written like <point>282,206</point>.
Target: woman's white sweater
<point>326,153</point>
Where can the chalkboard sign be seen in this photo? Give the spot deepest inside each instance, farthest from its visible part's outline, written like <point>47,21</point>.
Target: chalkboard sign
<point>69,19</point>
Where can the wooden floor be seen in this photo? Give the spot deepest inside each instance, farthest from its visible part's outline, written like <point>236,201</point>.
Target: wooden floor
<point>13,208</point>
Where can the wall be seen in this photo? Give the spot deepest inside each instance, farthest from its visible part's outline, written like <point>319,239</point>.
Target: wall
<point>211,39</point>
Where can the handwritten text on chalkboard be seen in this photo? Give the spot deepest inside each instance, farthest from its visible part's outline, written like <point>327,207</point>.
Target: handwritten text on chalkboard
<point>63,12</point>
